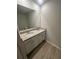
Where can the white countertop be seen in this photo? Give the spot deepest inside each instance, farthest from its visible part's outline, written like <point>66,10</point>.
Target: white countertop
<point>26,36</point>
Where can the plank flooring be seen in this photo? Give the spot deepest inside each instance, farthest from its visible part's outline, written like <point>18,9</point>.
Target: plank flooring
<point>45,51</point>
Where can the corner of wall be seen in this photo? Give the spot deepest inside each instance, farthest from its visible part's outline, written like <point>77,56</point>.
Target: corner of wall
<point>54,45</point>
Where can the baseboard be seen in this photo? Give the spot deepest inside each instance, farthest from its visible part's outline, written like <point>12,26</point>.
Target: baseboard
<point>54,45</point>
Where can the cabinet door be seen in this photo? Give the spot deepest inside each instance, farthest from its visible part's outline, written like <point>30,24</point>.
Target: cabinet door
<point>33,42</point>
<point>29,45</point>
<point>39,38</point>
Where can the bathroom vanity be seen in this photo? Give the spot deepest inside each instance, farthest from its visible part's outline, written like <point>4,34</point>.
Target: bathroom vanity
<point>32,38</point>
<point>29,28</point>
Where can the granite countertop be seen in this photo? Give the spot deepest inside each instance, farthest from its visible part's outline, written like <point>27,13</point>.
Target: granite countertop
<point>26,36</point>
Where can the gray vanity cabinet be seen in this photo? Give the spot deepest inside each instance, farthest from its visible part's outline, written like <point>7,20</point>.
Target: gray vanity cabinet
<point>34,41</point>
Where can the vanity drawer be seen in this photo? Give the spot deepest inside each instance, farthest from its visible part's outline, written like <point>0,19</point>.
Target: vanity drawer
<point>29,44</point>
<point>33,42</point>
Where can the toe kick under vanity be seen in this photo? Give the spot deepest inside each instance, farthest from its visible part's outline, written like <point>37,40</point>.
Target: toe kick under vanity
<point>32,38</point>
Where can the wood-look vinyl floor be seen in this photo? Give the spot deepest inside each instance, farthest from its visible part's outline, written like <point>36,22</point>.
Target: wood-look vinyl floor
<point>45,51</point>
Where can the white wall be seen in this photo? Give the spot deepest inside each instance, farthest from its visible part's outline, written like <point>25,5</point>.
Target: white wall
<point>51,20</point>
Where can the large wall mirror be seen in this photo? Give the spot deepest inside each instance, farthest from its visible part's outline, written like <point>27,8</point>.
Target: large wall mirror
<point>26,18</point>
